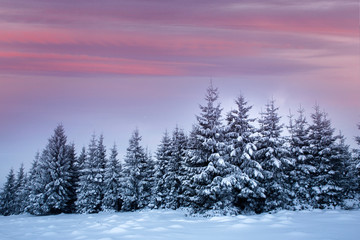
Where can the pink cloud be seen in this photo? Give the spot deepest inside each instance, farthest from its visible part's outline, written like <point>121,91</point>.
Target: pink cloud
<point>191,45</point>
<point>319,17</point>
<point>138,37</point>
<point>86,64</point>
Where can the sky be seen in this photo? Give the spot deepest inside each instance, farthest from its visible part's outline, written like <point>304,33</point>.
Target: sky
<point>108,67</point>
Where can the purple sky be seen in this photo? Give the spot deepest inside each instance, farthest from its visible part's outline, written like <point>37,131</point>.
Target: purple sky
<point>111,66</point>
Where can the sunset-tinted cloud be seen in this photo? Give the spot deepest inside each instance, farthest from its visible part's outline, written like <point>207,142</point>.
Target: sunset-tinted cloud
<point>177,31</point>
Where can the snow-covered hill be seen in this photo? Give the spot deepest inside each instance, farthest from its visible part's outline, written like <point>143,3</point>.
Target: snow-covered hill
<point>166,224</point>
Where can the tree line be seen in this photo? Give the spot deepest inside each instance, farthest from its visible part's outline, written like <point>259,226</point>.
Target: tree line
<point>224,165</point>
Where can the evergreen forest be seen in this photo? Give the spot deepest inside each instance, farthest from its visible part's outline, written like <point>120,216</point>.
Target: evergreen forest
<point>229,163</point>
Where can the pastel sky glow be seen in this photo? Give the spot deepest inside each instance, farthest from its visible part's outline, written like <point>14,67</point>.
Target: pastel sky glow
<point>111,66</point>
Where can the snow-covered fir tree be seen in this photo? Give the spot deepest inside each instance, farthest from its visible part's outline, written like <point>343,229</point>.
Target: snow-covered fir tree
<point>74,178</point>
<point>101,162</point>
<point>169,170</point>
<point>34,187</point>
<point>162,183</point>
<point>138,176</point>
<point>355,167</point>
<point>352,189</point>
<point>53,180</point>
<point>81,159</point>
<point>339,173</point>
<point>8,194</point>
<point>176,171</point>
<point>37,197</point>
<point>324,188</point>
<point>88,199</point>
<point>206,159</point>
<point>273,158</point>
<point>79,166</point>
<point>246,171</point>
<point>357,138</point>
<point>59,161</point>
<point>188,190</point>
<point>302,170</point>
<point>14,197</point>
<point>147,183</point>
<point>21,193</point>
<point>90,190</point>
<point>112,195</point>
<point>101,156</point>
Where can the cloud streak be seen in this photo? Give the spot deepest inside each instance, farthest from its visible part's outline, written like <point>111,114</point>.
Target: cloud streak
<point>180,38</point>
<point>321,17</point>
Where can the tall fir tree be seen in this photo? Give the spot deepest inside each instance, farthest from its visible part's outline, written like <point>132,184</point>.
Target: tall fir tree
<point>273,158</point>
<point>79,166</point>
<point>8,195</point>
<point>188,190</point>
<point>169,170</point>
<point>90,190</point>
<point>112,195</point>
<point>324,190</point>
<point>147,182</point>
<point>101,156</point>
<point>21,193</point>
<point>176,171</point>
<point>357,138</point>
<point>246,171</point>
<point>73,180</point>
<point>302,169</point>
<point>339,172</point>
<point>162,183</point>
<point>355,167</point>
<point>79,169</point>
<point>101,163</point>
<point>206,158</point>
<point>137,172</point>
<point>81,159</point>
<point>35,188</point>
<point>54,176</point>
<point>352,189</point>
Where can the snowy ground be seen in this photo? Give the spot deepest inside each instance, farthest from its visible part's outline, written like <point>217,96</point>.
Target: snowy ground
<point>334,224</point>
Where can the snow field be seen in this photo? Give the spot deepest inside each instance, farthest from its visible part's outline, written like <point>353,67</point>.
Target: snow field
<point>167,224</point>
